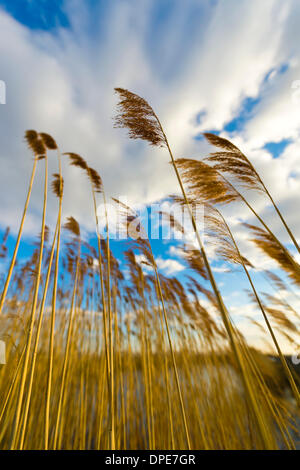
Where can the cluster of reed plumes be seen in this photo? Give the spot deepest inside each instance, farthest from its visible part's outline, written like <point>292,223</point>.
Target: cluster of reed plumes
<point>97,360</point>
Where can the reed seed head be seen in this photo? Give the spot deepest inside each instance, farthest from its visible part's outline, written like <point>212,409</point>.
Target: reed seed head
<point>136,115</point>
<point>57,185</point>
<point>49,142</point>
<point>77,160</point>
<point>73,226</point>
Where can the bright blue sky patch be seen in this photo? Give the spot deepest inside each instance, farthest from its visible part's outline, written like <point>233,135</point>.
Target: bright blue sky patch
<point>200,116</point>
<point>277,148</point>
<point>37,14</point>
<point>246,111</point>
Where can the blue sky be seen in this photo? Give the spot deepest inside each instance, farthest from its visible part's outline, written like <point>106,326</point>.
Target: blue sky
<point>204,66</point>
<point>42,14</point>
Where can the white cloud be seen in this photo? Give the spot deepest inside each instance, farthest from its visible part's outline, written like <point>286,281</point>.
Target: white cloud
<point>175,251</point>
<point>64,83</point>
<point>220,269</point>
<point>169,266</point>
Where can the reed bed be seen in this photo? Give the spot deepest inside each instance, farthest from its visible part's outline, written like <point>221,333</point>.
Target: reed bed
<point>99,360</point>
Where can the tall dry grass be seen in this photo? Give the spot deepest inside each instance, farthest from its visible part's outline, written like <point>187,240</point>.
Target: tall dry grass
<point>100,360</point>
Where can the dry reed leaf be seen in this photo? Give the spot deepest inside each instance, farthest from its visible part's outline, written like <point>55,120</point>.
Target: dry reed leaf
<point>73,226</point>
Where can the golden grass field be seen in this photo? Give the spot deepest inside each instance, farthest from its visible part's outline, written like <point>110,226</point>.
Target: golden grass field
<point>97,361</point>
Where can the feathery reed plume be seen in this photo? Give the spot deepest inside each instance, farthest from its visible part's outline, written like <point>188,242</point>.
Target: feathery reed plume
<point>3,247</point>
<point>204,182</point>
<point>35,143</point>
<point>274,250</point>
<point>208,185</point>
<point>77,160</point>
<point>229,251</point>
<point>57,185</point>
<point>231,160</point>
<point>31,138</point>
<point>279,283</point>
<point>95,180</point>
<point>281,319</point>
<point>59,353</point>
<point>73,226</point>
<point>48,140</point>
<point>191,255</point>
<point>220,236</point>
<point>138,116</point>
<point>278,299</point>
<point>5,236</point>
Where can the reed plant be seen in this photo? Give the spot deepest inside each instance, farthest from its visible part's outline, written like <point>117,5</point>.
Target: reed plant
<point>103,354</point>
